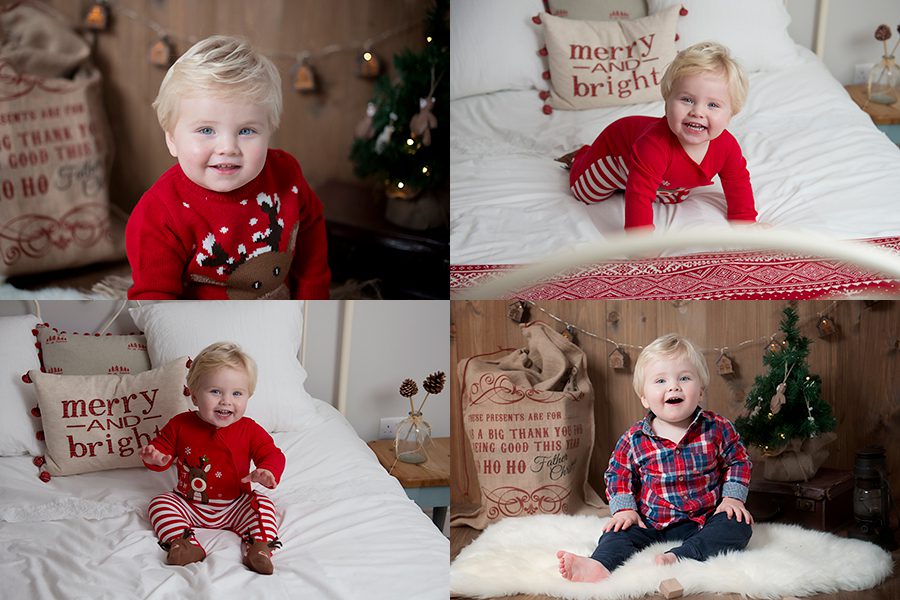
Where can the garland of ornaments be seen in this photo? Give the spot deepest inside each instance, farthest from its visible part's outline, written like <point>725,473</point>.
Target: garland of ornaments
<point>619,359</point>
<point>304,79</point>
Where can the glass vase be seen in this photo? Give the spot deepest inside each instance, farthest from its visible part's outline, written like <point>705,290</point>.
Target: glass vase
<point>884,80</point>
<point>413,437</point>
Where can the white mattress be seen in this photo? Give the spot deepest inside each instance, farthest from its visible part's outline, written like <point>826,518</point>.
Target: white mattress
<point>349,532</point>
<point>816,162</point>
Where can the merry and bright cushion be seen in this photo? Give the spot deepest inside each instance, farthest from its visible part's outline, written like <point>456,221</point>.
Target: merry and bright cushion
<point>608,63</point>
<point>99,422</point>
<point>598,10</point>
<point>64,353</point>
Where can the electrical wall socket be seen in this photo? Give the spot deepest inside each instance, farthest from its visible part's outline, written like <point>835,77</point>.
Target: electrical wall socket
<point>861,73</point>
<point>388,430</point>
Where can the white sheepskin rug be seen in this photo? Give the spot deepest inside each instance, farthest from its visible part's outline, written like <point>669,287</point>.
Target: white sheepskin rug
<point>518,556</point>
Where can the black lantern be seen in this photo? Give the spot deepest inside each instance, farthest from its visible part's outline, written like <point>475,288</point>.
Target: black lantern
<point>872,499</point>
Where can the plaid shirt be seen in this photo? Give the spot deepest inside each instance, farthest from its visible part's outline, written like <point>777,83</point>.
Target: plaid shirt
<point>668,482</point>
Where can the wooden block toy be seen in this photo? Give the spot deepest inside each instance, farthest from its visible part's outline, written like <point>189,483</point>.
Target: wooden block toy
<point>670,588</point>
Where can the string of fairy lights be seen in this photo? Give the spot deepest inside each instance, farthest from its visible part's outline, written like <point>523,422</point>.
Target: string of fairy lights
<point>305,79</point>
<point>618,358</point>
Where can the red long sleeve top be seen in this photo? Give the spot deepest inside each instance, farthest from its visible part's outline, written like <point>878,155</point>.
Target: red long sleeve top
<point>265,239</point>
<point>211,461</point>
<point>656,161</point>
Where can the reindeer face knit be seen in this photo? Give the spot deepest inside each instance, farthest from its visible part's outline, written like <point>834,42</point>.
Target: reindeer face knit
<point>265,239</point>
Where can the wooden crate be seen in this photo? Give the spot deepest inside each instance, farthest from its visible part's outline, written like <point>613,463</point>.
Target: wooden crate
<point>825,502</point>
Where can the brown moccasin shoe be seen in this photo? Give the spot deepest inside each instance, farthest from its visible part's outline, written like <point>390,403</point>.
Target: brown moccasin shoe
<point>258,554</point>
<point>181,551</point>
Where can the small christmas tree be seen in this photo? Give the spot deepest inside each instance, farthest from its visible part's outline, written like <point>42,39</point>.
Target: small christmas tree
<point>785,403</point>
<point>404,139</point>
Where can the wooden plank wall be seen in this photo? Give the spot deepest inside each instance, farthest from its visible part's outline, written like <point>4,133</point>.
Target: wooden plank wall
<point>317,129</point>
<point>858,365</point>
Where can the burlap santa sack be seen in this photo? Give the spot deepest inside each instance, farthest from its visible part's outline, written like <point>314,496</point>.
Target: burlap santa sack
<point>528,416</point>
<point>55,147</point>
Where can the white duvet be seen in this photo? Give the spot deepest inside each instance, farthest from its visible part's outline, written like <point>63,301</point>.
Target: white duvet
<point>349,532</point>
<point>816,162</point>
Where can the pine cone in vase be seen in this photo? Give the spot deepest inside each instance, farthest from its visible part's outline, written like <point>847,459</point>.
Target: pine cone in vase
<point>434,383</point>
<point>408,388</point>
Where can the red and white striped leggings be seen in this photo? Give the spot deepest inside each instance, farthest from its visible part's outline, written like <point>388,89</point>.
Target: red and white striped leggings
<point>596,180</point>
<point>170,514</point>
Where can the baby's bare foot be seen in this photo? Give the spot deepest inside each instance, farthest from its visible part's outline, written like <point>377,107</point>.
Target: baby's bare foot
<point>666,559</point>
<point>580,568</point>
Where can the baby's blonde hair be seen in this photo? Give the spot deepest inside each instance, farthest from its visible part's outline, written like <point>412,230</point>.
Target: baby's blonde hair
<point>671,346</point>
<point>218,355</point>
<point>224,67</point>
<point>707,57</point>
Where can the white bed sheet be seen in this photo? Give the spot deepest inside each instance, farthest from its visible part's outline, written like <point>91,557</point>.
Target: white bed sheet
<point>817,163</point>
<point>349,532</point>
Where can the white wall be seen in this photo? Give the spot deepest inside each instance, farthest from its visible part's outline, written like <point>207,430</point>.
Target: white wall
<point>391,340</point>
<point>850,29</point>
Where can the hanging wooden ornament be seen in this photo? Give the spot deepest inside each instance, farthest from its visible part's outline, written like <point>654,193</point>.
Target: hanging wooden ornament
<point>778,400</point>
<point>569,334</point>
<point>97,17</point>
<point>724,365</point>
<point>423,122</point>
<point>826,326</point>
<point>364,129</point>
<point>369,65</point>
<point>305,78</point>
<point>161,53</point>
<point>517,312</point>
<point>617,359</point>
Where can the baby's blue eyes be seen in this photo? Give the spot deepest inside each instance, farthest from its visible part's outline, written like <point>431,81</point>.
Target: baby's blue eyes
<point>682,378</point>
<point>209,131</point>
<point>691,101</point>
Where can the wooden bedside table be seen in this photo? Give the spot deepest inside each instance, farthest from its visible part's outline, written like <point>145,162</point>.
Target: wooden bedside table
<point>885,116</point>
<point>363,245</point>
<point>428,483</point>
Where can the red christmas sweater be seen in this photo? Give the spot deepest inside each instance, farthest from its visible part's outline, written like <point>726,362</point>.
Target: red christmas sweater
<point>211,461</point>
<point>656,161</point>
<point>265,239</point>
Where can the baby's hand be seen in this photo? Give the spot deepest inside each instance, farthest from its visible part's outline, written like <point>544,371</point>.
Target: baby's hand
<point>152,456</point>
<point>623,520</point>
<point>262,476</point>
<point>735,508</point>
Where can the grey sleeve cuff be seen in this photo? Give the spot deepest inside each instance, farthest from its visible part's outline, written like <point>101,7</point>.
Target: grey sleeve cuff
<point>622,502</point>
<point>735,490</point>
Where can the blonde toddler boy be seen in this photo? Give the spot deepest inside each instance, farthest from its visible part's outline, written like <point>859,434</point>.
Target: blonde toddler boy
<point>663,158</point>
<point>211,448</point>
<point>681,474</point>
<point>234,218</point>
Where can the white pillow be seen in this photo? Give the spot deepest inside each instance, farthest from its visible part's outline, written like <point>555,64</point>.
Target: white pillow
<point>17,357</point>
<point>493,46</point>
<point>268,331</point>
<point>755,31</point>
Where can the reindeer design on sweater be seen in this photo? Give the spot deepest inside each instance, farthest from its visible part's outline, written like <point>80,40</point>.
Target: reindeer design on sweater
<point>260,273</point>
<point>196,477</point>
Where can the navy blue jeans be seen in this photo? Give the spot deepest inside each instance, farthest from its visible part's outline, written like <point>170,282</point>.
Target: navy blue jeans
<point>718,535</point>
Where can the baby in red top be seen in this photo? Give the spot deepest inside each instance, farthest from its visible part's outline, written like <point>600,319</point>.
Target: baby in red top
<point>234,218</point>
<point>664,158</point>
<point>211,449</point>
